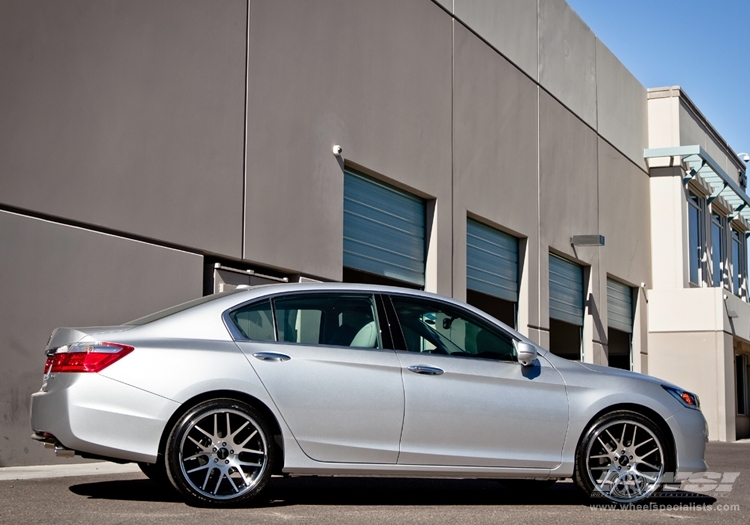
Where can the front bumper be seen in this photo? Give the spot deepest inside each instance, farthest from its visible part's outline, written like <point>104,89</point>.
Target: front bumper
<point>690,433</point>
<point>95,415</point>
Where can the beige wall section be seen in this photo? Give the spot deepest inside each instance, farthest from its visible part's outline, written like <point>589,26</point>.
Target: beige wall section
<point>663,120</point>
<point>668,229</point>
<point>692,344</point>
<point>567,58</point>
<point>674,120</point>
<point>127,115</point>
<point>337,73</point>
<point>699,309</point>
<point>53,275</point>
<point>687,310</point>
<point>540,337</point>
<point>622,116</point>
<point>495,158</point>
<point>508,25</point>
<point>700,362</point>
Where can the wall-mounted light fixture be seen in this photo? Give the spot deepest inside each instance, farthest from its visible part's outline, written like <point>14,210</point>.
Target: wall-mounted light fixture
<point>587,240</point>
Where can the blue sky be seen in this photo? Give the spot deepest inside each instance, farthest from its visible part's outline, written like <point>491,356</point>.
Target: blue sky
<point>702,46</point>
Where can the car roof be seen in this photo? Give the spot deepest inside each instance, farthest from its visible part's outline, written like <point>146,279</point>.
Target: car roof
<point>274,289</point>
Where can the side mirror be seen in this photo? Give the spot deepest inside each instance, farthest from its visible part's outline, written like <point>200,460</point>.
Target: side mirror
<point>526,353</point>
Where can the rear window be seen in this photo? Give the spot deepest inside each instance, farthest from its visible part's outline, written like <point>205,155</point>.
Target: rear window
<point>180,307</point>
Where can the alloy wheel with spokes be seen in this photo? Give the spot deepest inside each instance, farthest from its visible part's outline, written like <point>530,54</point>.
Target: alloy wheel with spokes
<point>623,458</point>
<point>219,453</point>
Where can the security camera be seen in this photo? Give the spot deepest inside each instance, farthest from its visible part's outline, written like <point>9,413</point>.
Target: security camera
<point>338,150</point>
<point>744,156</point>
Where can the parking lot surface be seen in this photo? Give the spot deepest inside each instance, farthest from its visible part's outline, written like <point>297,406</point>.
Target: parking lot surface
<point>719,496</point>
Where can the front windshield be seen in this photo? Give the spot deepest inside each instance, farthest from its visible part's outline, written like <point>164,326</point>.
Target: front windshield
<point>181,307</point>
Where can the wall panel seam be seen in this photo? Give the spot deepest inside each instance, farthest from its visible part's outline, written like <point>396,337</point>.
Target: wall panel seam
<point>99,229</point>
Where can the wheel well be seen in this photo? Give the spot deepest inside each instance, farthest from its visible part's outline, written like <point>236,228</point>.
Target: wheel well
<point>671,463</point>
<point>230,394</point>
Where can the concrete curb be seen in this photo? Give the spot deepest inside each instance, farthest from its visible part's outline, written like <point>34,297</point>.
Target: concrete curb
<point>63,471</point>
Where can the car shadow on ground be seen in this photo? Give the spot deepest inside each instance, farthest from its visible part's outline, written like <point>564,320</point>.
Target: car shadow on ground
<point>384,492</point>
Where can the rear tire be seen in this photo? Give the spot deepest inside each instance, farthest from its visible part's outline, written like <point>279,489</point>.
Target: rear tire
<point>622,457</point>
<point>220,453</point>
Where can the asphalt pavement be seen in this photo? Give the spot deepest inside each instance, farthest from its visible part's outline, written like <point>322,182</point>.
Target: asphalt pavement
<point>123,496</point>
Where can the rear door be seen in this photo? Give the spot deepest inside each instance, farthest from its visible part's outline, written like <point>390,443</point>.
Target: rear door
<point>468,401</point>
<point>330,371</point>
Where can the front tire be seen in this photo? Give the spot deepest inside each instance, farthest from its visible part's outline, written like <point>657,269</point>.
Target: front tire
<point>156,472</point>
<point>622,458</point>
<point>220,453</point>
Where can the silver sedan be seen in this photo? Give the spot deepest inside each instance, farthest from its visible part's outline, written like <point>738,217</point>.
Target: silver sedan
<point>216,395</point>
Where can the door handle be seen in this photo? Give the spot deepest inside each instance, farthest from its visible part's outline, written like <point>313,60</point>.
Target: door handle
<point>271,356</point>
<point>426,370</point>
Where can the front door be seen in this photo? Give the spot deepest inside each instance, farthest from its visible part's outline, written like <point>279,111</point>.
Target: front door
<point>468,401</point>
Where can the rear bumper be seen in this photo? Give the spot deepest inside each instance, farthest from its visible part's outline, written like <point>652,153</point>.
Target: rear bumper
<point>92,414</point>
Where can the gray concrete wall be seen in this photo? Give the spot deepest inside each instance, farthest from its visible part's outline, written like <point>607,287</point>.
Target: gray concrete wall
<point>568,205</point>
<point>130,117</point>
<point>622,106</point>
<point>700,362</point>
<point>550,43</point>
<point>54,275</point>
<point>126,114</point>
<point>624,193</point>
<point>495,165</point>
<point>510,26</point>
<point>374,77</point>
<point>567,58</point>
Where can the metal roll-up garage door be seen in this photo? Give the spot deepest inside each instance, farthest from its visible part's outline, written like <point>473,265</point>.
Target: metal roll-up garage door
<point>619,306</point>
<point>491,261</point>
<point>565,291</point>
<point>383,229</point>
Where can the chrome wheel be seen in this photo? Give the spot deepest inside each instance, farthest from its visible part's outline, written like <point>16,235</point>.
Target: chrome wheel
<point>223,453</point>
<point>220,453</point>
<point>624,459</point>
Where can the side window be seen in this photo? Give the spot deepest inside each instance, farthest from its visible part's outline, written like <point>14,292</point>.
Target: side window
<point>436,328</point>
<point>255,321</point>
<point>328,319</point>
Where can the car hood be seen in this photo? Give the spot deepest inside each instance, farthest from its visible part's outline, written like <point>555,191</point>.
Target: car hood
<point>618,372</point>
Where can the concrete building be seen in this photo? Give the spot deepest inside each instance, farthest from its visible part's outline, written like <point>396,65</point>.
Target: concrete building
<point>698,311</point>
<point>152,152</point>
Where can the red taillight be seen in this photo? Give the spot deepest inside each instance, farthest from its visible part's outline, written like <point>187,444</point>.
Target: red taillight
<point>87,357</point>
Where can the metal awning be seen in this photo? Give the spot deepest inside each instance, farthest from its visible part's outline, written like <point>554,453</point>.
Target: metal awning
<point>699,162</point>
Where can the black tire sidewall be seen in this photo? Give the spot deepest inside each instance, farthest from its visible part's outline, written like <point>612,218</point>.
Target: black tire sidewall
<point>156,472</point>
<point>172,454</point>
